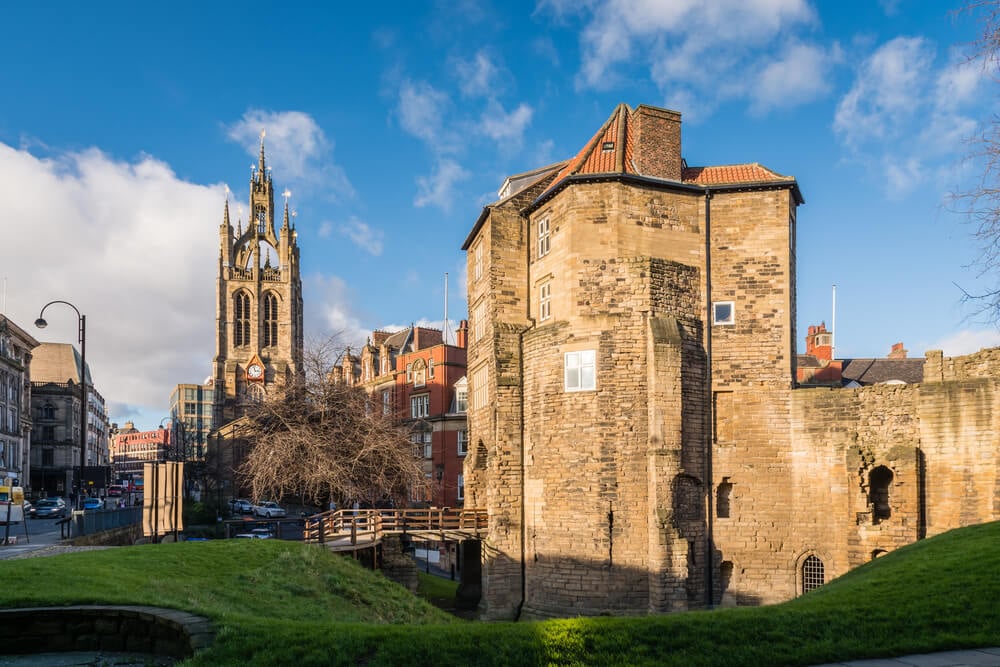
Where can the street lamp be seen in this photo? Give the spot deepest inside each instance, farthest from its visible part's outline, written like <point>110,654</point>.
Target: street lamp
<point>41,324</point>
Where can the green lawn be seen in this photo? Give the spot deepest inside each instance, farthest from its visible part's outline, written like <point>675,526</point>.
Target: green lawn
<point>279,603</point>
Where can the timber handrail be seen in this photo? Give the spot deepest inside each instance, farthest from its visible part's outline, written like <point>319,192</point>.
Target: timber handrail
<point>351,528</point>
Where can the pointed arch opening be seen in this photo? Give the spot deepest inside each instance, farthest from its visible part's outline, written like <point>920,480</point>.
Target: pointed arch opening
<point>270,320</point>
<point>241,319</point>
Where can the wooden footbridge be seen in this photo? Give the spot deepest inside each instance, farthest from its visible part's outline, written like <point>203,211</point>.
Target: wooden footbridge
<point>351,530</point>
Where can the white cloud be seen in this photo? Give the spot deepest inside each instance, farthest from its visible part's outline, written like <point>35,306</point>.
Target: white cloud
<point>692,48</point>
<point>132,246</point>
<point>798,75</point>
<point>363,236</point>
<point>888,90</point>
<point>439,188</point>
<point>330,312</point>
<point>421,112</point>
<point>506,127</point>
<point>295,146</point>
<point>325,230</point>
<point>967,341</point>
<point>904,112</point>
<point>478,77</point>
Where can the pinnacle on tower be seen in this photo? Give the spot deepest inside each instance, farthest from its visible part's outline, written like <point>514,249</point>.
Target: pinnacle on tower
<point>261,170</point>
<point>284,222</point>
<point>225,212</point>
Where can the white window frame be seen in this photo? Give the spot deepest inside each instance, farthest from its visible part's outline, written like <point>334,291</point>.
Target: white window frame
<point>420,406</point>
<point>409,372</point>
<point>463,442</point>
<point>386,403</point>
<point>479,320</point>
<point>580,370</point>
<point>544,301</point>
<point>724,321</point>
<point>543,238</point>
<point>460,487</point>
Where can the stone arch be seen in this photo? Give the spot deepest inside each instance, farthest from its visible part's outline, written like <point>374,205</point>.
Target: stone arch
<point>812,570</point>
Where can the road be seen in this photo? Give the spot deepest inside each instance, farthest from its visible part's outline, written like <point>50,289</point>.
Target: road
<point>31,535</point>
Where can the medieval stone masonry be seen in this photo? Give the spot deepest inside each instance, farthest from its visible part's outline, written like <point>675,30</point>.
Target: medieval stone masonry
<point>259,341</point>
<point>636,430</point>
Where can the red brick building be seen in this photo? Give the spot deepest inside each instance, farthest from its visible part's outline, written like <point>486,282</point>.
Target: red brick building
<point>414,375</point>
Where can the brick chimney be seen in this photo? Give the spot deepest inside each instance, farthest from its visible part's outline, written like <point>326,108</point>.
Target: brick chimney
<point>462,336</point>
<point>897,352</point>
<point>818,342</point>
<point>656,137</point>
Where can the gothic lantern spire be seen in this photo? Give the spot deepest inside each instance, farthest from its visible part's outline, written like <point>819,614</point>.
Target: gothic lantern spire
<point>261,168</point>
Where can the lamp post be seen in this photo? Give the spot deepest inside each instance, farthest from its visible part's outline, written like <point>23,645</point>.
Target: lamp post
<point>82,320</point>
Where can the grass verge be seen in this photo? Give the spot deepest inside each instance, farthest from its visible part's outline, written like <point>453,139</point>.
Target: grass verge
<point>279,603</point>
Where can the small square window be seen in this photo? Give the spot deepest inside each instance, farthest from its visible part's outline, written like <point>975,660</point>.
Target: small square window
<point>723,312</point>
<point>579,370</point>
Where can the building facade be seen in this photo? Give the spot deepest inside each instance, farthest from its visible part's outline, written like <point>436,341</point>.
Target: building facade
<point>131,448</point>
<point>638,436</point>
<point>418,379</point>
<point>191,409</point>
<point>259,307</point>
<point>16,347</point>
<point>55,436</point>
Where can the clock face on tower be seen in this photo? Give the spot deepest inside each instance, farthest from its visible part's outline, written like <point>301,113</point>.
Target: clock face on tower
<point>255,372</point>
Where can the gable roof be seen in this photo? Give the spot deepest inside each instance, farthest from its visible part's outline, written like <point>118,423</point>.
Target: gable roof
<point>612,151</point>
<point>877,371</point>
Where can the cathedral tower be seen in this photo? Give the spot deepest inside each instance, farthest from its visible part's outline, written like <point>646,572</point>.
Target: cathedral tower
<point>259,310</point>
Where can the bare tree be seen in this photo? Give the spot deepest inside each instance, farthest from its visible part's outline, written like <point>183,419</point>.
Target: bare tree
<point>322,440</point>
<point>980,202</point>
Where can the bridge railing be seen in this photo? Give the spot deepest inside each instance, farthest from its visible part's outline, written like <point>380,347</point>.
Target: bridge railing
<point>368,525</point>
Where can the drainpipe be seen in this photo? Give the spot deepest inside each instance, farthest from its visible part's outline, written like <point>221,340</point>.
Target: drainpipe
<point>520,341</point>
<point>709,402</point>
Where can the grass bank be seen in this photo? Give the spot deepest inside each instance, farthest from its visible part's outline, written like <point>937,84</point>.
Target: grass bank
<point>281,603</point>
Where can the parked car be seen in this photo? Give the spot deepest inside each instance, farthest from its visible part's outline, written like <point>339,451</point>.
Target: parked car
<point>115,491</point>
<point>240,506</point>
<point>93,504</point>
<point>270,509</point>
<point>47,508</point>
<point>256,534</point>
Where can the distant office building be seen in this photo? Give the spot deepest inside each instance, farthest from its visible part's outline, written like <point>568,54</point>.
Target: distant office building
<point>191,410</point>
<point>131,448</point>
<point>55,407</point>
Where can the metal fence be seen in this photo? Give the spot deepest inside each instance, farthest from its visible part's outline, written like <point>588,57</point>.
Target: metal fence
<point>87,523</point>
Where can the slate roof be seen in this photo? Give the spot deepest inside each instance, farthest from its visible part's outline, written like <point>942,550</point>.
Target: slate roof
<point>807,361</point>
<point>875,371</point>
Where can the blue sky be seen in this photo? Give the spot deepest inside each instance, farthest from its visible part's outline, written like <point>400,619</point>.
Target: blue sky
<point>121,125</point>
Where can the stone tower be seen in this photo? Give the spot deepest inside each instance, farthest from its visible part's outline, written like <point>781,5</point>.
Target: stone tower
<point>615,300</point>
<point>259,310</point>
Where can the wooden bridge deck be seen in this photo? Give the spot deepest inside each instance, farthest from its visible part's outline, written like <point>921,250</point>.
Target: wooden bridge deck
<point>350,530</point>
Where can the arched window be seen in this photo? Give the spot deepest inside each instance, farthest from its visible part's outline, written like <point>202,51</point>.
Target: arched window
<point>270,320</point>
<point>812,574</point>
<point>241,319</point>
<point>48,411</point>
<point>879,481</point>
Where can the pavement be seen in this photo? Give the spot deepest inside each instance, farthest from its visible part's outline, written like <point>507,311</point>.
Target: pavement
<point>982,657</point>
